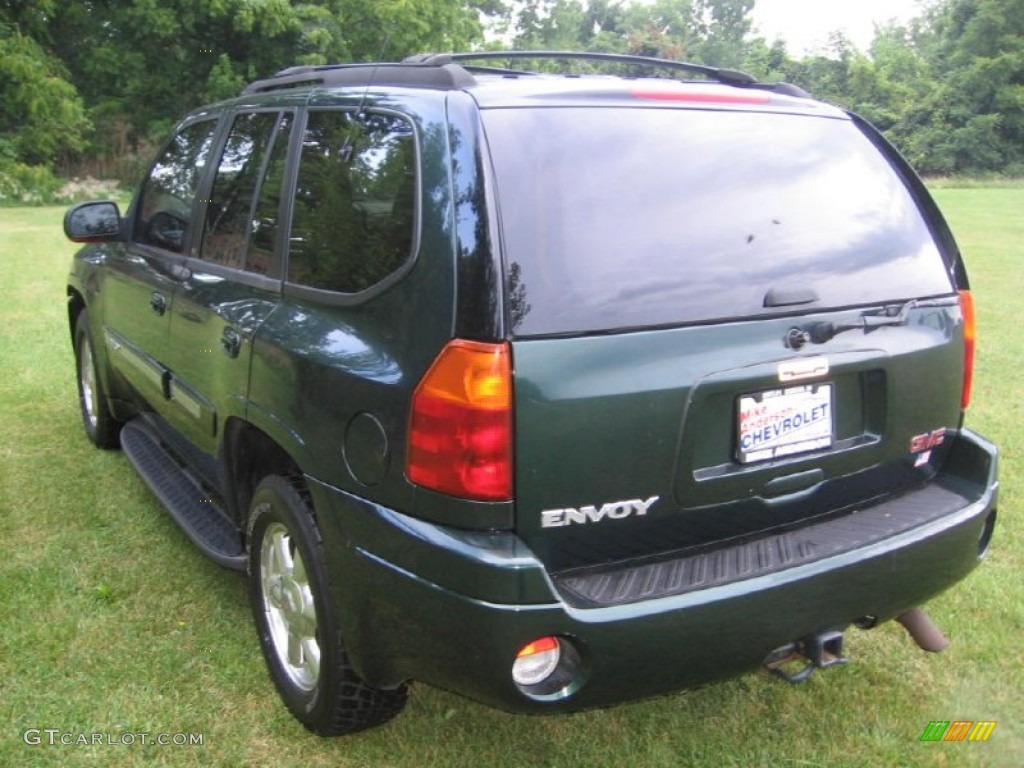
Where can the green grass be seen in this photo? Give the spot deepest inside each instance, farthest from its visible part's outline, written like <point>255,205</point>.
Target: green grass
<point>111,622</point>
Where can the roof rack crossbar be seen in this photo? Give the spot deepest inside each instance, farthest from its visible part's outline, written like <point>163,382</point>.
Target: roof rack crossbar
<point>727,76</point>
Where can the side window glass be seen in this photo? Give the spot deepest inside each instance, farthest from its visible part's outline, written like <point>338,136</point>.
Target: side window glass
<point>263,240</point>
<point>355,201</point>
<point>229,210</point>
<point>166,201</point>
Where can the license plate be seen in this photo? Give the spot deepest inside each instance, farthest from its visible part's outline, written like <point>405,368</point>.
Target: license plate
<point>781,422</point>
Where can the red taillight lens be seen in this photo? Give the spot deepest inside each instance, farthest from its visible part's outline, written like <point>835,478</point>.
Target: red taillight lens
<point>460,432</point>
<point>967,309</point>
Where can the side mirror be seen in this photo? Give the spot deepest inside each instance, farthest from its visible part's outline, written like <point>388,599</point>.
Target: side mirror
<point>92,222</point>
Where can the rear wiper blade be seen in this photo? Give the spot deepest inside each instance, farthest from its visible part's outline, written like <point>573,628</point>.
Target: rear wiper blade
<point>892,314</point>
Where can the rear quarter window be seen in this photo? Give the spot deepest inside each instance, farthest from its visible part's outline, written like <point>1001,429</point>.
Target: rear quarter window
<point>354,213</point>
<point>643,217</point>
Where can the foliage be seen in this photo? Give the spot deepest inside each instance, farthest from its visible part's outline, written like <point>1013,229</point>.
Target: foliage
<point>22,184</point>
<point>86,81</point>
<point>42,117</point>
<point>139,66</point>
<point>978,110</point>
<point>703,30</point>
<point>948,89</point>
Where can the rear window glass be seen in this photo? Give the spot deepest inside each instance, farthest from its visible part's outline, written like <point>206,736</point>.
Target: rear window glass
<point>632,218</point>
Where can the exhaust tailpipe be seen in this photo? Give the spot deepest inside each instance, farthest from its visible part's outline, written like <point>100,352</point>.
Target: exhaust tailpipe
<point>920,627</point>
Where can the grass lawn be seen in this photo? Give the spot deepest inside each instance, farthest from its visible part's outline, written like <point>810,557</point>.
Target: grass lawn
<point>112,623</point>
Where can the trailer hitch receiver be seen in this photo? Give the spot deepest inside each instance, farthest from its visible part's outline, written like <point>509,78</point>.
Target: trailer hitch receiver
<point>795,662</point>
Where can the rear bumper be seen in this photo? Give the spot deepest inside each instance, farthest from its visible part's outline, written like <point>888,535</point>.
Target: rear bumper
<point>452,608</point>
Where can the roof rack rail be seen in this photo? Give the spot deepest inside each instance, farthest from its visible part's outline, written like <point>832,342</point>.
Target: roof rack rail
<point>435,75</point>
<point>450,71</point>
<point>727,76</point>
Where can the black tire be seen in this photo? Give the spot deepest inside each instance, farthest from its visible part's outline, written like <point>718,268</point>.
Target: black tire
<point>290,606</point>
<point>100,426</point>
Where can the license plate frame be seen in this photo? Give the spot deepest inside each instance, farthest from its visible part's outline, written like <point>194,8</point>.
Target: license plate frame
<point>778,423</point>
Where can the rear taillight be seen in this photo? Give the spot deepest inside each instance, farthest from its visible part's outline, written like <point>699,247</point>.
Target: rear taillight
<point>460,432</point>
<point>967,310</point>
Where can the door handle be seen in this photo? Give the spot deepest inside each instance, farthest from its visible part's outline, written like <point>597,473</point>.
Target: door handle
<point>158,303</point>
<point>231,342</point>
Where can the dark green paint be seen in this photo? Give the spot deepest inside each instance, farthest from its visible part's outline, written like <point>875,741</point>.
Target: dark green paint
<point>447,590</point>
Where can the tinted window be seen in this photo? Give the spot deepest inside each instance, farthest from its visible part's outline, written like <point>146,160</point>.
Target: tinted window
<point>229,211</point>
<point>262,242</point>
<point>643,217</point>
<point>168,194</point>
<point>355,201</point>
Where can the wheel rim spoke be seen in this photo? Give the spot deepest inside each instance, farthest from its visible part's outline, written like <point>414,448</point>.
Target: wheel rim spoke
<point>282,555</point>
<point>290,608</point>
<point>311,653</point>
<point>295,648</point>
<point>88,380</point>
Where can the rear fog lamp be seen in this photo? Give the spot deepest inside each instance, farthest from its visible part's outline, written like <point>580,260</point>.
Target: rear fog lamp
<point>536,661</point>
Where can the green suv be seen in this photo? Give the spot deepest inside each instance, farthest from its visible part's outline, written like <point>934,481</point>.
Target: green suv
<point>554,391</point>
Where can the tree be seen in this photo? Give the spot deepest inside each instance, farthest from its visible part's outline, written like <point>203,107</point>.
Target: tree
<point>42,117</point>
<point>723,26</point>
<point>978,52</point>
<point>141,65</point>
<point>664,29</point>
<point>104,76</point>
<point>704,31</point>
<point>554,25</point>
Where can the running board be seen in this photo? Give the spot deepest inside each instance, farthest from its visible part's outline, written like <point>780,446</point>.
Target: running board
<point>191,507</point>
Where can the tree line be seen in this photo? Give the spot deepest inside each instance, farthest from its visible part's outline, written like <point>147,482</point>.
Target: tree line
<point>90,85</point>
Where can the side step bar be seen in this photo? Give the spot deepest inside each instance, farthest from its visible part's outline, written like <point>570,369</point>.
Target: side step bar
<point>200,516</point>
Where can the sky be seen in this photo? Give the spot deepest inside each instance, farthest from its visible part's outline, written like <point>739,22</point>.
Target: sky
<point>805,24</point>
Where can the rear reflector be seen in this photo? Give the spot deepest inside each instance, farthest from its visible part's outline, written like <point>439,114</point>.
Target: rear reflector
<point>460,432</point>
<point>967,309</point>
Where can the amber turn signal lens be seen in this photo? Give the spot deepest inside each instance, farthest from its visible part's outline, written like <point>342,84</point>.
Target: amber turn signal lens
<point>460,432</point>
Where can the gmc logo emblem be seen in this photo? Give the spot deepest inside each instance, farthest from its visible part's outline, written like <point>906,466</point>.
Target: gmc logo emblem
<point>927,441</point>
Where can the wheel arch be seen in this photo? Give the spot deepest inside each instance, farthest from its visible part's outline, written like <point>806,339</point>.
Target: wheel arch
<point>117,396</point>
<point>249,455</point>
<point>76,303</point>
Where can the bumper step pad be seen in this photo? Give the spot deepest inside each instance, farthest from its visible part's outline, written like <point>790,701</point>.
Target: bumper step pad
<point>192,507</point>
<point>600,587</point>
